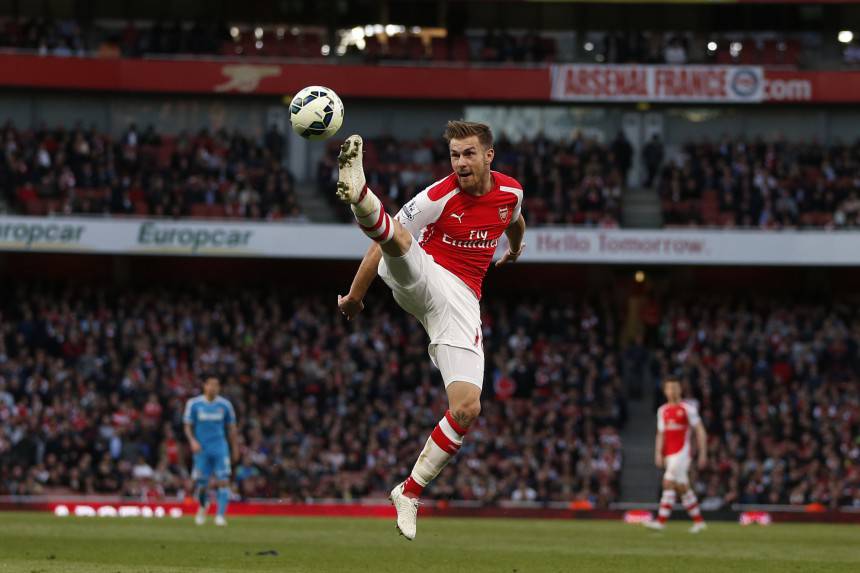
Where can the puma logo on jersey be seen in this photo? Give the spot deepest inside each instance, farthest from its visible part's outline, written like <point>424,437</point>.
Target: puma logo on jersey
<point>458,217</point>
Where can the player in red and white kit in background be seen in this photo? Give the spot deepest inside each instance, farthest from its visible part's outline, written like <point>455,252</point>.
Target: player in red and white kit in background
<point>675,420</point>
<point>434,255</point>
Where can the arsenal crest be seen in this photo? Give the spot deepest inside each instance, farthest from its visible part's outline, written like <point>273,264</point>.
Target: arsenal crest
<point>503,213</point>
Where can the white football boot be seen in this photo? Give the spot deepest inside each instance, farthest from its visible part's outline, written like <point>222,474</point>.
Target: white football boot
<point>350,177</point>
<point>407,511</point>
<point>220,521</point>
<point>654,525</point>
<point>698,527</point>
<point>200,518</point>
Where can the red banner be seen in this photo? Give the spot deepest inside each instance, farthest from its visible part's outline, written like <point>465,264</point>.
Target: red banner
<point>607,83</point>
<point>232,77</point>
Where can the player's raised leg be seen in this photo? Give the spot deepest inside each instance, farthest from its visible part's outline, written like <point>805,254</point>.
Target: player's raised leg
<point>366,207</point>
<point>464,401</point>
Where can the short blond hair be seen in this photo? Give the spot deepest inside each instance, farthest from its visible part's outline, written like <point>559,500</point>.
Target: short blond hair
<point>462,129</point>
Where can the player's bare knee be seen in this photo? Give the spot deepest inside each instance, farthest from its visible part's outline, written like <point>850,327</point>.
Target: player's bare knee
<point>467,411</point>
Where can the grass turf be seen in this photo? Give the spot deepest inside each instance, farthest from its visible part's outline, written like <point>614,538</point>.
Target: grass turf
<point>43,543</point>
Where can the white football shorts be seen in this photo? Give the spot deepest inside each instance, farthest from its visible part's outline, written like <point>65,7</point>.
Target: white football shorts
<point>445,306</point>
<point>677,468</point>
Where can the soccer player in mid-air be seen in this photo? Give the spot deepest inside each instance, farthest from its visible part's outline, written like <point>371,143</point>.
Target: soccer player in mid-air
<point>675,419</point>
<point>434,255</point>
<point>209,419</point>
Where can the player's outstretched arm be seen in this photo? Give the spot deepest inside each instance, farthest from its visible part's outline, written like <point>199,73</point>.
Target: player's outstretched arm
<point>702,445</point>
<point>516,232</point>
<point>353,303</point>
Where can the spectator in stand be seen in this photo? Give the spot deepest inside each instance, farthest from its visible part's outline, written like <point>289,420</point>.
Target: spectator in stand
<point>623,152</point>
<point>851,54</point>
<point>92,384</point>
<point>675,52</point>
<point>652,156</point>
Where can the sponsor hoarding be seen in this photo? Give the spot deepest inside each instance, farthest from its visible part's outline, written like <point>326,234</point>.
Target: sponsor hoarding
<point>544,245</point>
<point>695,84</point>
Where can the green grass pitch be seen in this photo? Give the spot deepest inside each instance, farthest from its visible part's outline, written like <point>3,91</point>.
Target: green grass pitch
<point>43,543</point>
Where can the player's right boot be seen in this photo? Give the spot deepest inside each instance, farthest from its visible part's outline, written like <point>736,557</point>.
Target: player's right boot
<point>200,518</point>
<point>407,511</point>
<point>698,527</point>
<point>350,177</point>
<point>654,525</point>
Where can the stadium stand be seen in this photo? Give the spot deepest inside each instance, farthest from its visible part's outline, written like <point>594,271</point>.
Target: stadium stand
<point>578,182</point>
<point>93,381</point>
<point>82,171</point>
<point>776,384</point>
<point>375,44</point>
<point>762,183</point>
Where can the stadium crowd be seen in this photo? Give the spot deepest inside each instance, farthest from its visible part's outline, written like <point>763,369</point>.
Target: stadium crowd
<point>140,38</point>
<point>82,170</point>
<point>762,183</point>
<point>93,383</point>
<point>776,383</point>
<point>579,181</point>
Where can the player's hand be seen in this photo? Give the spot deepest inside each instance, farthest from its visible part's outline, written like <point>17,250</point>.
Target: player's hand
<point>511,256</point>
<point>195,446</point>
<point>349,306</point>
<point>658,461</point>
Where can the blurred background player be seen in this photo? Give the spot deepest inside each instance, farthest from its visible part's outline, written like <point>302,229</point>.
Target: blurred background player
<point>675,419</point>
<point>434,255</point>
<point>208,419</point>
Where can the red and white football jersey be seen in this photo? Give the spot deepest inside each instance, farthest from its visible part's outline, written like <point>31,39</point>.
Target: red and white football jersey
<point>675,421</point>
<point>461,231</point>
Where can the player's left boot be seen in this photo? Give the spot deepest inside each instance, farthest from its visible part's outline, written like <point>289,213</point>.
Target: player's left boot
<point>407,512</point>
<point>654,525</point>
<point>220,521</point>
<point>698,527</point>
<point>200,518</point>
<point>350,177</point>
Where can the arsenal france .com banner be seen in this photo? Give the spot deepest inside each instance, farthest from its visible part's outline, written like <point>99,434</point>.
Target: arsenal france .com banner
<point>607,83</point>
<point>310,241</point>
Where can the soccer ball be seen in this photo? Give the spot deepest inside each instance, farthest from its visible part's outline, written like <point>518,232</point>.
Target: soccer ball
<point>316,113</point>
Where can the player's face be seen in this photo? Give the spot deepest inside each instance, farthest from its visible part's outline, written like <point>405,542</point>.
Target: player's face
<point>672,391</point>
<point>211,387</point>
<point>471,162</point>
